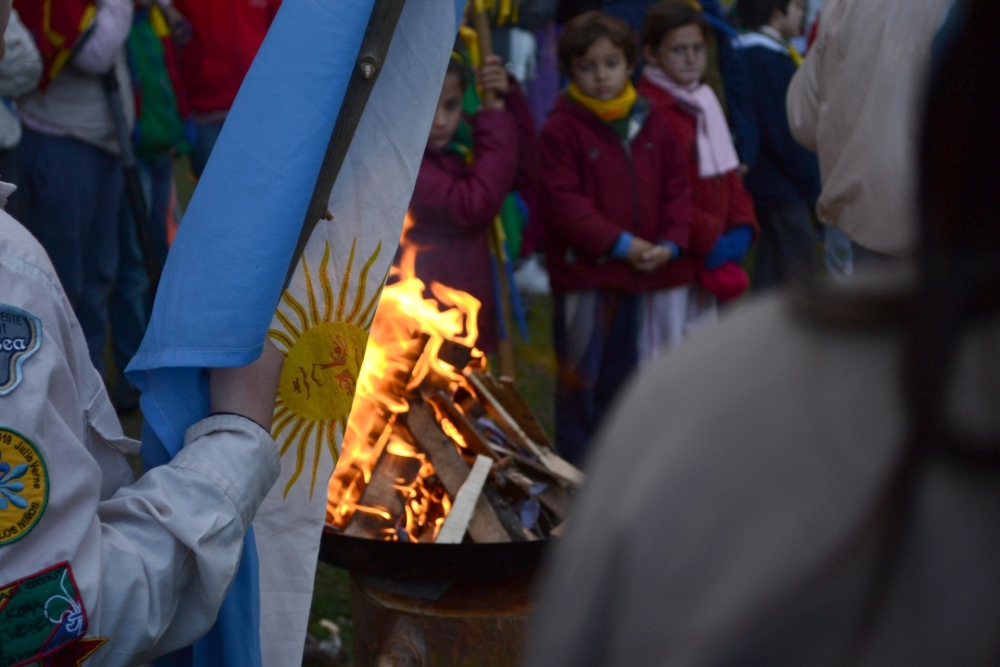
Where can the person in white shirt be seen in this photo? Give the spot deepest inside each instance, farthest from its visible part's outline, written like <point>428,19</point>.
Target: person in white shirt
<point>93,564</point>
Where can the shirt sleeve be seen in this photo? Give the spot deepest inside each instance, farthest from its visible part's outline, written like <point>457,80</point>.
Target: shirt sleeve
<point>21,67</point>
<point>109,32</point>
<point>171,542</point>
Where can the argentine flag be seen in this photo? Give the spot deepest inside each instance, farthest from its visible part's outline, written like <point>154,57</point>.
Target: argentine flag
<point>221,292</point>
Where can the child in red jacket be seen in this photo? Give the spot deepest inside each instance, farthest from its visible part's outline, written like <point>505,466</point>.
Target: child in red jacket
<point>469,166</point>
<point>675,46</point>
<point>618,213</point>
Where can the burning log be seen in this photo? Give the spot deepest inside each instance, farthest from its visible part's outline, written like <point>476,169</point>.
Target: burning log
<point>453,472</point>
<point>465,503</point>
<point>512,428</point>
<point>382,504</point>
<point>436,449</point>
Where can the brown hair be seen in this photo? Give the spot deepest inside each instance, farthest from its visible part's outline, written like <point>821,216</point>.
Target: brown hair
<point>585,29</point>
<point>665,17</point>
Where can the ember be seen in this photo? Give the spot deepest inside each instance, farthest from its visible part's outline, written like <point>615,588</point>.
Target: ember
<point>436,447</point>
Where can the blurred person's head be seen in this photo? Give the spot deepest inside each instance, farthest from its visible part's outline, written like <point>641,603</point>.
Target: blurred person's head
<point>785,16</point>
<point>597,53</point>
<point>675,39</point>
<point>448,114</point>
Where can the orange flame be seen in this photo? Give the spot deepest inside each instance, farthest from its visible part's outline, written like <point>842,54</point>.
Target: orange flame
<point>388,374</point>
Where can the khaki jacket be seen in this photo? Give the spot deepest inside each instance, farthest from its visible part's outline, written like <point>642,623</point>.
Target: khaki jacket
<point>740,466</point>
<point>856,102</point>
<point>92,561</point>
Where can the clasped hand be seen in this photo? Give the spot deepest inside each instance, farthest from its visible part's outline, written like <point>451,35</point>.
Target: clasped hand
<point>646,257</point>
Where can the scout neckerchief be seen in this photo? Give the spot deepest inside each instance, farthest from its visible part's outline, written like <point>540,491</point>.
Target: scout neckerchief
<point>614,112</point>
<point>57,26</point>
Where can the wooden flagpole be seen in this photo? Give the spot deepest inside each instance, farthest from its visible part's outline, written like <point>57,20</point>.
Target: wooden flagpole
<point>505,344</point>
<point>374,48</point>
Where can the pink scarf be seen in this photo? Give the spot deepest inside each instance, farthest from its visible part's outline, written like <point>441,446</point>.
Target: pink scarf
<point>716,153</point>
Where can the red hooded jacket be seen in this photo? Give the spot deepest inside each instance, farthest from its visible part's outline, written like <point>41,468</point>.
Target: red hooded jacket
<point>595,186</point>
<point>720,203</point>
<point>224,41</point>
<point>454,204</point>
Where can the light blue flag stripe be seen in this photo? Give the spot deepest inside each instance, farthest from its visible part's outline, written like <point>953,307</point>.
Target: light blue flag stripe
<point>225,271</point>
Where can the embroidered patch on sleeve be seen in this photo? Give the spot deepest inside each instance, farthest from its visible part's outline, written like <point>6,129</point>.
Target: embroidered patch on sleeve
<point>20,337</point>
<point>24,486</point>
<point>42,619</point>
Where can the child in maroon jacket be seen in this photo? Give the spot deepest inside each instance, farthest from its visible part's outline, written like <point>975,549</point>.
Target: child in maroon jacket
<point>618,212</point>
<point>460,188</point>
<point>675,46</point>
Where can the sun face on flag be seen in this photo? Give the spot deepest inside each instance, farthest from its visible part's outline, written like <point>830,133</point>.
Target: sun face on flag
<point>323,348</point>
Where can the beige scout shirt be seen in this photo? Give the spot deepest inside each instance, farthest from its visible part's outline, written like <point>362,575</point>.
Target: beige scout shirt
<point>90,561</point>
<point>736,466</point>
<point>856,102</point>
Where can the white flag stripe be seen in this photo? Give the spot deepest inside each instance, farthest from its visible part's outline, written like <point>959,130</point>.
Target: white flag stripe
<point>368,204</point>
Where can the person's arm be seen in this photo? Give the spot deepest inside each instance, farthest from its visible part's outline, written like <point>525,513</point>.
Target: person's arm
<point>798,164</point>
<point>152,559</point>
<point>21,67</point>
<point>474,197</point>
<point>106,37</point>
<point>676,192</point>
<point>739,100</point>
<point>171,542</point>
<point>570,209</point>
<point>527,137</point>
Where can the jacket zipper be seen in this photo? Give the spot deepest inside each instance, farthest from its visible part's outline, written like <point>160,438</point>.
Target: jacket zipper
<point>635,199</point>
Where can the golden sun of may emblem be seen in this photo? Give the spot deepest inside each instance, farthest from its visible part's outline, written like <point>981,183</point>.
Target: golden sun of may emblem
<point>323,354</point>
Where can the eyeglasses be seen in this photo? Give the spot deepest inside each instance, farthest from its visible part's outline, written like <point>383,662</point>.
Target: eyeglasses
<point>683,52</point>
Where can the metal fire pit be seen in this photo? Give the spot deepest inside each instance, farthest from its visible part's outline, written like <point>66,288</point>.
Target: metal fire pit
<point>440,605</point>
<point>416,562</point>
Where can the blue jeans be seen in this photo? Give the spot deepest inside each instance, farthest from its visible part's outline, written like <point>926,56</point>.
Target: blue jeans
<point>131,300</point>
<point>208,134</point>
<point>71,193</point>
<point>595,334</point>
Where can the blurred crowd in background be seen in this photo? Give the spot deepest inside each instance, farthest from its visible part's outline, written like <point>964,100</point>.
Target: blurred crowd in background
<point>645,162</point>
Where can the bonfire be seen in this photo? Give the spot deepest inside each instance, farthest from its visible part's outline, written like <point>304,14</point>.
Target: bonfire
<point>436,448</point>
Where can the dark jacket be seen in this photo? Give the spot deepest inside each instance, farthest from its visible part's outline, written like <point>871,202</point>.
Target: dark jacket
<point>596,185</point>
<point>736,82</point>
<point>720,203</point>
<point>783,171</point>
<point>454,204</point>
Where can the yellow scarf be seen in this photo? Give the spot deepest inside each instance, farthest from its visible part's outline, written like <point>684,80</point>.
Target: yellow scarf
<point>610,110</point>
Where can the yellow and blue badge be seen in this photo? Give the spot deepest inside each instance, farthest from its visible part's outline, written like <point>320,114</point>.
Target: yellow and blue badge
<point>24,486</point>
<point>20,337</point>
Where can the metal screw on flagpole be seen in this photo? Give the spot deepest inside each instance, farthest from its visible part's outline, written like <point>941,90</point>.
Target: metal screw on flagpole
<point>371,56</point>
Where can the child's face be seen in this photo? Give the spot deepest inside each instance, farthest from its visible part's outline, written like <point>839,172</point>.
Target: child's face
<point>449,112</point>
<point>602,71</point>
<point>682,54</point>
<point>789,23</point>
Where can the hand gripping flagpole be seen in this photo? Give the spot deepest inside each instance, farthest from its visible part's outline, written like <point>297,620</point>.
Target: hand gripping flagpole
<point>374,48</point>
